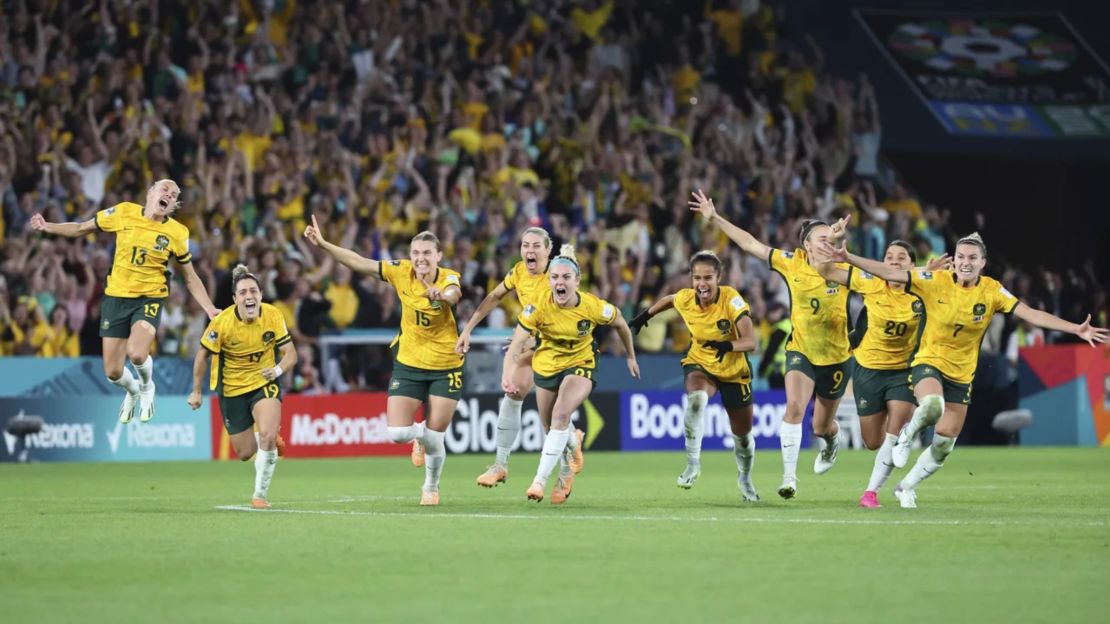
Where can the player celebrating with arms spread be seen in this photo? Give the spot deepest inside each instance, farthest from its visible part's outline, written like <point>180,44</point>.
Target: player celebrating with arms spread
<point>720,325</point>
<point>817,352</point>
<point>137,286</point>
<point>245,339</point>
<point>959,305</point>
<point>425,365</point>
<point>563,324</point>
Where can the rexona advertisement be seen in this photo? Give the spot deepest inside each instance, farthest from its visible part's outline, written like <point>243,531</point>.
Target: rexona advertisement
<point>88,429</point>
<point>655,421</point>
<point>1003,75</point>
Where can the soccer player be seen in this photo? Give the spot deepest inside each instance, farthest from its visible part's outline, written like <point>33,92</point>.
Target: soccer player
<point>721,329</point>
<point>563,324</point>
<point>529,279</point>
<point>425,365</point>
<point>147,237</point>
<point>246,339</point>
<point>891,317</point>
<point>817,352</point>
<point>959,305</point>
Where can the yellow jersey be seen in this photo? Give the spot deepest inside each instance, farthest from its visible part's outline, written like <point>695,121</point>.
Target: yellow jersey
<point>565,336</point>
<point>893,318</point>
<point>956,319</point>
<point>243,349</point>
<point>818,309</point>
<point>428,329</point>
<point>143,251</point>
<point>717,321</point>
<point>530,289</point>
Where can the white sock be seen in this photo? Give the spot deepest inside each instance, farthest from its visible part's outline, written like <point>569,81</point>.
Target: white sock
<point>434,456</point>
<point>127,381</point>
<point>406,434</point>
<point>790,438</point>
<point>554,445</point>
<point>264,463</point>
<point>694,419</point>
<point>508,428</point>
<point>926,414</point>
<point>744,450</point>
<point>146,370</point>
<point>929,462</point>
<point>833,438</point>
<point>884,465</point>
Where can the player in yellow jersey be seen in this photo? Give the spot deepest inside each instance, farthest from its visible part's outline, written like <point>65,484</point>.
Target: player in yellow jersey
<point>817,351</point>
<point>959,305</point>
<point>529,279</point>
<point>891,317</point>
<point>425,365</point>
<point>147,237</point>
<point>562,324</point>
<point>246,340</point>
<point>720,325</point>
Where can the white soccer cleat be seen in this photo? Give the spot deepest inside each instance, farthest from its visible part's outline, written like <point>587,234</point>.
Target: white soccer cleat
<point>146,403</point>
<point>907,498</point>
<point>900,452</point>
<point>827,457</point>
<point>689,476</point>
<point>127,410</point>
<point>789,488</point>
<point>747,490</point>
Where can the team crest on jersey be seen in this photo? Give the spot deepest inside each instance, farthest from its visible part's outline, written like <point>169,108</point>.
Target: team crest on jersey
<point>980,310</point>
<point>725,326</point>
<point>917,307</point>
<point>268,336</point>
<point>583,328</point>
<point>161,242</point>
<point>831,287</point>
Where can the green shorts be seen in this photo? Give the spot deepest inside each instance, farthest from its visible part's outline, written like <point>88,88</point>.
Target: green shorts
<point>118,314</point>
<point>829,381</point>
<point>418,383</point>
<point>552,382</point>
<point>954,391</point>
<point>734,395</point>
<point>238,411</point>
<point>873,388</point>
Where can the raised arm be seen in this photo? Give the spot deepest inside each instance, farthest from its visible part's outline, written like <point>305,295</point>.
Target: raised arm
<point>642,318</point>
<point>743,239</point>
<point>1043,319</point>
<point>873,267</point>
<point>68,230</point>
<point>346,257</point>
<point>488,304</point>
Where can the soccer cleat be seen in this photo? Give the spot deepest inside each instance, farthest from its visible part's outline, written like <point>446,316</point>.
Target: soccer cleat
<point>908,498</point>
<point>281,446</point>
<point>869,500</point>
<point>561,492</point>
<point>577,460</point>
<point>493,476</point>
<point>689,476</point>
<point>535,491</point>
<point>900,452</point>
<point>127,410</point>
<point>429,499</point>
<point>259,503</point>
<point>747,489</point>
<point>146,403</point>
<point>417,453</point>
<point>826,457</point>
<point>789,488</point>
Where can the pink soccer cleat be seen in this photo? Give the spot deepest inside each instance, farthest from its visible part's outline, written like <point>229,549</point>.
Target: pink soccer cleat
<point>869,500</point>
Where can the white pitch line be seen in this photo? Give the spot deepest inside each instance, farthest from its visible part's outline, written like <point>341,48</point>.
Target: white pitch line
<point>633,518</point>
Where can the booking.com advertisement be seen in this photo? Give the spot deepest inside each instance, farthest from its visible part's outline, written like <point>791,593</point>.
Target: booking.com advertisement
<point>655,421</point>
<point>88,429</point>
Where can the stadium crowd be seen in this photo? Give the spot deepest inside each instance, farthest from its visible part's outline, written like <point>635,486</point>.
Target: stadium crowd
<point>469,118</point>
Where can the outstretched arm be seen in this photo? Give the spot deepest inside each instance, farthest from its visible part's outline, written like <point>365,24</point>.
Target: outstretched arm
<point>873,267</point>
<point>743,239</point>
<point>1043,319</point>
<point>642,318</point>
<point>346,257</point>
<point>488,304</point>
<point>68,230</point>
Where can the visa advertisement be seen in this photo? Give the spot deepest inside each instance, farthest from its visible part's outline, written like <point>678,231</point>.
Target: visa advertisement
<point>88,429</point>
<point>655,421</point>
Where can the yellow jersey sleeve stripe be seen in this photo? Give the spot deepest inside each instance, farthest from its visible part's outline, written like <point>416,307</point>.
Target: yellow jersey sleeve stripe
<point>186,259</point>
<point>742,315</point>
<point>1012,308</point>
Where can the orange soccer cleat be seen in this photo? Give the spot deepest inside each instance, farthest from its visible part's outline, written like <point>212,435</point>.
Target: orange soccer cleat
<point>576,458</point>
<point>535,491</point>
<point>561,493</point>
<point>417,453</point>
<point>259,503</point>
<point>429,499</point>
<point>493,476</point>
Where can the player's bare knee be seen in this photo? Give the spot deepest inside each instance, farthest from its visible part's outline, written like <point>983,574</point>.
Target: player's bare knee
<point>246,451</point>
<point>267,440</point>
<point>560,419</point>
<point>795,410</point>
<point>113,371</point>
<point>516,396</point>
<point>137,356</point>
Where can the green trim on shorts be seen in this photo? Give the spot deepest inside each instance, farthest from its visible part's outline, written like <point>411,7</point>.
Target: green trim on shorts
<point>119,314</point>
<point>954,391</point>
<point>873,388</point>
<point>238,411</point>
<point>734,394</point>
<point>419,383</point>
<point>552,382</point>
<point>828,384</point>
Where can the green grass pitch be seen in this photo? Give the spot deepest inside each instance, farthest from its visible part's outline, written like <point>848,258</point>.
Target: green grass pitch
<point>1013,535</point>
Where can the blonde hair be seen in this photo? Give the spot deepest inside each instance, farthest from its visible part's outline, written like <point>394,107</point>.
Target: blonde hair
<point>426,235</point>
<point>973,239</point>
<point>566,256</point>
<point>538,231</point>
